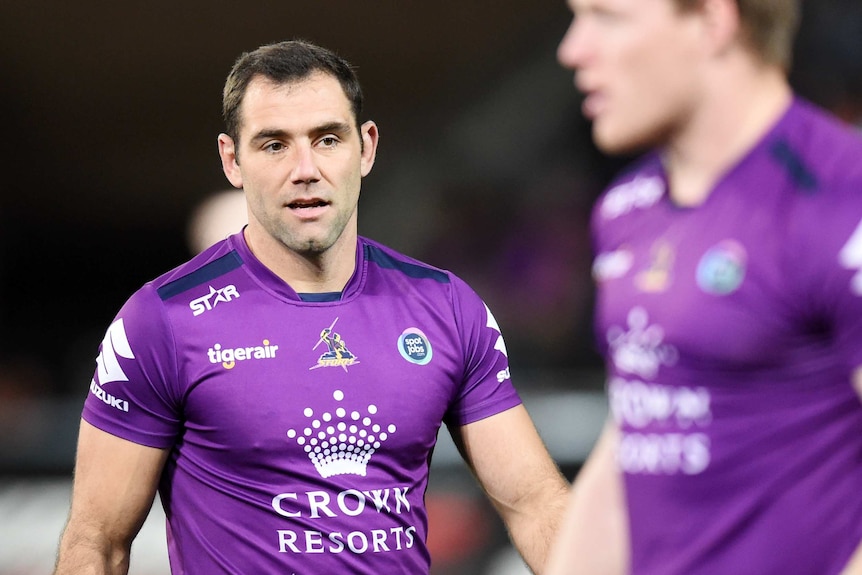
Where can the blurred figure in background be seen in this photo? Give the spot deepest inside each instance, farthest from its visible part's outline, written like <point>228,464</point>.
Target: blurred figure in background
<point>215,218</point>
<point>284,389</point>
<point>729,308</point>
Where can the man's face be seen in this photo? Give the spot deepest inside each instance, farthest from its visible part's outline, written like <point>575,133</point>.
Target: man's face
<point>300,161</point>
<point>637,63</point>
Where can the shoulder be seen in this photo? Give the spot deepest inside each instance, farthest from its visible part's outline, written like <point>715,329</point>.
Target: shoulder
<point>640,185</point>
<point>413,274</point>
<point>385,258</point>
<point>819,159</point>
<point>819,155</point>
<point>629,198</point>
<point>213,262</point>
<point>150,299</point>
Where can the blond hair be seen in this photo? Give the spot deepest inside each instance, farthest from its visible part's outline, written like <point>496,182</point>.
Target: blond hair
<point>769,27</point>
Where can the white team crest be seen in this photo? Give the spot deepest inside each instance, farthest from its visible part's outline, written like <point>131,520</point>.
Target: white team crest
<point>851,258</point>
<point>499,345</point>
<point>115,344</point>
<point>337,354</point>
<point>492,323</point>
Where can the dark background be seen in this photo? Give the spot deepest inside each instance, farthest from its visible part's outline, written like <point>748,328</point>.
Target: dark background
<point>111,111</point>
<point>109,116</point>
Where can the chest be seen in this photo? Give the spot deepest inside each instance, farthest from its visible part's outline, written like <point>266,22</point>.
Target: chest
<point>710,287</point>
<point>272,377</point>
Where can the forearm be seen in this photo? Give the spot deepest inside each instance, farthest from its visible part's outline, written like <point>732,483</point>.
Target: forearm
<point>593,533</point>
<point>854,567</point>
<point>519,477</point>
<point>533,528</point>
<point>115,484</point>
<point>83,553</point>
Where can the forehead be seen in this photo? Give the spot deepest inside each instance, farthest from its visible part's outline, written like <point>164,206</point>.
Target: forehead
<point>315,96</point>
<point>615,5</point>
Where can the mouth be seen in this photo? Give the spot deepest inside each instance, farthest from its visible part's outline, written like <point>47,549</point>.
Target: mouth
<point>593,95</point>
<point>593,104</point>
<point>306,204</point>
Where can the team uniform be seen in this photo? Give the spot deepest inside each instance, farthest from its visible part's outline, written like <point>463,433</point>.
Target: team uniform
<point>301,427</point>
<point>731,331</point>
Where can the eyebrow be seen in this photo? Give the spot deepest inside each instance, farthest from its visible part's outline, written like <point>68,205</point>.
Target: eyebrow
<point>336,127</point>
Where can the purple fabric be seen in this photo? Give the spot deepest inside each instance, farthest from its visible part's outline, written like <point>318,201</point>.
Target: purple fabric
<point>731,331</point>
<point>300,432</point>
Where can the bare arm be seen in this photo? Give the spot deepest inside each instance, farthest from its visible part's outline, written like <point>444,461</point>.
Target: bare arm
<point>593,538</point>
<point>115,484</point>
<point>515,470</point>
<point>855,565</point>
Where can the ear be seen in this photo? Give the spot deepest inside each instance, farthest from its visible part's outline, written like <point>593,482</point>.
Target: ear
<point>368,133</point>
<point>229,161</point>
<point>722,24</point>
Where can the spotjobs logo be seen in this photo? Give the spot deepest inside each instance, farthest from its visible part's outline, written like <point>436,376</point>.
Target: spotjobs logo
<point>414,346</point>
<point>229,356</point>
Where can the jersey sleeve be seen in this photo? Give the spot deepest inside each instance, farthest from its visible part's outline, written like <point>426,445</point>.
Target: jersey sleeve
<point>828,245</point>
<point>133,393</point>
<point>487,385</point>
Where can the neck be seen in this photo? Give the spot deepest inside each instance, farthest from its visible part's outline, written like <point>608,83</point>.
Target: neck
<point>741,102</point>
<point>327,271</point>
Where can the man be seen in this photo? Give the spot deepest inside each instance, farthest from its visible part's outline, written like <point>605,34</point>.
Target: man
<point>284,388</point>
<point>729,302</point>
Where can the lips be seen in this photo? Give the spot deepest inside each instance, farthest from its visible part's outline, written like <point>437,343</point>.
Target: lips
<point>593,104</point>
<point>594,97</point>
<point>303,204</point>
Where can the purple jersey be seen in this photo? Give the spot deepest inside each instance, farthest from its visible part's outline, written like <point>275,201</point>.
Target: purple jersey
<point>731,331</point>
<point>300,431</point>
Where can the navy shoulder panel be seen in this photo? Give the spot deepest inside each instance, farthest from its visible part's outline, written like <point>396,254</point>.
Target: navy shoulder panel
<point>410,269</point>
<point>202,275</point>
<point>790,160</point>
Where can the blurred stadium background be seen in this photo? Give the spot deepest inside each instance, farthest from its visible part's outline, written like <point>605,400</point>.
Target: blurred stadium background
<point>486,168</point>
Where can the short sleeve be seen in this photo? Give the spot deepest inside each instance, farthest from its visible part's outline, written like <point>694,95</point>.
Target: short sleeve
<point>487,385</point>
<point>827,253</point>
<point>134,391</point>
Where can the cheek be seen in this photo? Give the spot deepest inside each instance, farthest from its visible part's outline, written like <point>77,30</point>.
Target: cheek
<point>350,182</point>
<point>650,79</point>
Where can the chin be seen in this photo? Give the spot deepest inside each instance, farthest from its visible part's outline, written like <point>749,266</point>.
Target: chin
<point>312,248</point>
<point>621,142</point>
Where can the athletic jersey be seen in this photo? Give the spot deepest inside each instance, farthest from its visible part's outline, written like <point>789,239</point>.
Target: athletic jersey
<point>731,330</point>
<point>300,432</point>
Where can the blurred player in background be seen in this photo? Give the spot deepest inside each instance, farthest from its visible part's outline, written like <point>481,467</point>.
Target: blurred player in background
<point>729,268</point>
<point>215,218</point>
<point>273,453</point>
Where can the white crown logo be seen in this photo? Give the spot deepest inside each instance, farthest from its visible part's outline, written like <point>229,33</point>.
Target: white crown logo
<point>342,443</point>
<point>640,350</point>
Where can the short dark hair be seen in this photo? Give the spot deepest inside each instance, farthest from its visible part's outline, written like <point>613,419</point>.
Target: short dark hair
<point>283,63</point>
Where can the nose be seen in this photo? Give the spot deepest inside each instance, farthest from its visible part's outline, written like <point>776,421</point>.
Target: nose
<point>571,51</point>
<point>305,169</point>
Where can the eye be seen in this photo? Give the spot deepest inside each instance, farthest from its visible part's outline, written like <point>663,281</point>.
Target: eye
<point>329,141</point>
<point>273,147</point>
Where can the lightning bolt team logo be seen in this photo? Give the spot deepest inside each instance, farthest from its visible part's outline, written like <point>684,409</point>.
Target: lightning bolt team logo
<point>336,354</point>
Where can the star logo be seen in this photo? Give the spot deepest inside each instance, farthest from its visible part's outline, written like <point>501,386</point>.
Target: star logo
<point>212,299</point>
